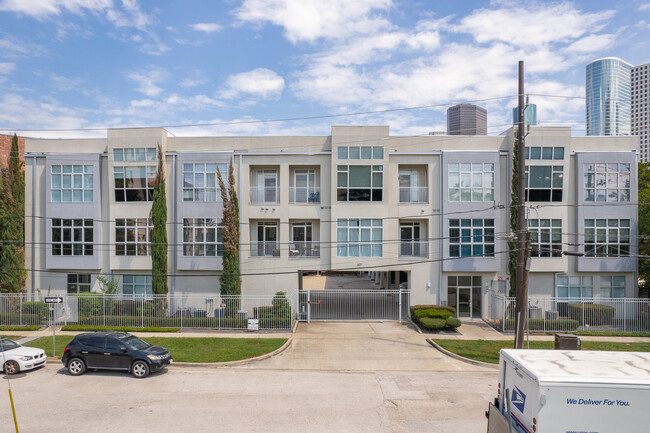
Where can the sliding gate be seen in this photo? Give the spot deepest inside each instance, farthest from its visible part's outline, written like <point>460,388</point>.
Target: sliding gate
<point>348,305</point>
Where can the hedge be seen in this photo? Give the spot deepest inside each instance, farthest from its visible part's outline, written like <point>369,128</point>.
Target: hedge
<point>413,308</point>
<point>452,323</point>
<point>592,314</point>
<point>432,313</point>
<point>432,324</point>
<point>15,319</point>
<point>551,324</point>
<point>175,322</point>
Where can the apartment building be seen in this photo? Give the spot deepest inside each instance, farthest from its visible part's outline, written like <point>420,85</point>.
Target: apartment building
<point>430,212</point>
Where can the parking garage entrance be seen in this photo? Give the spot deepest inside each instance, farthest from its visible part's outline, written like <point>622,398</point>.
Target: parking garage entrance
<point>353,296</point>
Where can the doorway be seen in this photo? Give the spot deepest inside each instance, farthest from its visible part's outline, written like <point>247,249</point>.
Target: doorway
<point>464,294</point>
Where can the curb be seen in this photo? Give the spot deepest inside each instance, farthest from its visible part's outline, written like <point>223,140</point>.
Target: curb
<point>461,358</point>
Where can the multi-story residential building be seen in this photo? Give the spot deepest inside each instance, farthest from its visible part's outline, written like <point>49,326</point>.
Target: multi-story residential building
<point>432,212</point>
<point>607,88</point>
<point>466,119</point>
<point>530,115</point>
<point>640,98</point>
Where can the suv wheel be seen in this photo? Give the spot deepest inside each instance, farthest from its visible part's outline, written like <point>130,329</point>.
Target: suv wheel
<point>140,369</point>
<point>76,367</point>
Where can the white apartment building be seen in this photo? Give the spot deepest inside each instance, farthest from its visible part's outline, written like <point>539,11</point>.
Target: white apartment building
<point>432,212</point>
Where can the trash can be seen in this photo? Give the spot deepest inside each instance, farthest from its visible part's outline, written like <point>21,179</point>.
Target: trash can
<point>567,342</point>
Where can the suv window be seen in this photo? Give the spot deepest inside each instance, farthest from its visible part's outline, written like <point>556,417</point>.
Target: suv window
<point>95,342</point>
<point>113,344</point>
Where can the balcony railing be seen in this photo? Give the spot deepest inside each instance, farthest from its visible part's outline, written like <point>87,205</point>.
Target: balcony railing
<point>265,249</point>
<point>304,249</point>
<point>306,194</point>
<point>414,194</point>
<point>413,249</point>
<point>265,194</point>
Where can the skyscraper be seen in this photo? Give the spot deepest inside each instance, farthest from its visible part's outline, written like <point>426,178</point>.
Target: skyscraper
<point>530,115</point>
<point>640,99</point>
<point>466,119</point>
<point>608,97</point>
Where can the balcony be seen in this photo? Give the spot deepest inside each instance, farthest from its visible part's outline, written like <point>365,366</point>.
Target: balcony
<point>413,249</point>
<point>304,249</point>
<point>414,194</point>
<point>307,194</point>
<point>265,194</point>
<point>265,249</point>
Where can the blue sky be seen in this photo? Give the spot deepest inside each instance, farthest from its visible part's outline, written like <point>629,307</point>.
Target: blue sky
<point>84,65</point>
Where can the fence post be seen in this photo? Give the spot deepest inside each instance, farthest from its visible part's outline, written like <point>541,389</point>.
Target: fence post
<point>20,311</point>
<point>503,322</point>
<point>142,313</point>
<point>582,302</point>
<point>308,306</point>
<point>104,308</point>
<point>400,305</point>
<point>624,315</point>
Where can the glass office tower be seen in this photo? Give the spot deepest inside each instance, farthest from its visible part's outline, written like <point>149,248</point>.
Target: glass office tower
<point>608,97</point>
<point>530,115</point>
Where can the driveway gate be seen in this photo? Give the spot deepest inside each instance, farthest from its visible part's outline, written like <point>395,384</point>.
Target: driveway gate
<point>349,305</point>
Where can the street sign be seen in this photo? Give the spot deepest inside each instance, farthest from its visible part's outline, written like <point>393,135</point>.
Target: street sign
<point>53,299</point>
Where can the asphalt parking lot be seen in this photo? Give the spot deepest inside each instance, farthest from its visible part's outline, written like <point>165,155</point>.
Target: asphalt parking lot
<point>343,378</point>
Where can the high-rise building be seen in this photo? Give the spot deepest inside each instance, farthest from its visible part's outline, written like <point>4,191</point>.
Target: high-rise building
<point>608,97</point>
<point>466,119</point>
<point>530,115</point>
<point>640,99</point>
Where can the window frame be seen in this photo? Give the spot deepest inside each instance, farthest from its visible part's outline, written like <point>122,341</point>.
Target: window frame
<point>541,248</point>
<point>460,243</point>
<point>76,284</point>
<point>372,193</point>
<point>347,242</point>
<point>607,286</point>
<point>192,191</point>
<point>122,193</point>
<point>583,283</point>
<point>84,193</point>
<point>613,230</point>
<point>193,227</point>
<point>464,186</point>
<point>134,281</point>
<point>63,237</point>
<point>595,172</point>
<point>555,193</point>
<point>122,246</point>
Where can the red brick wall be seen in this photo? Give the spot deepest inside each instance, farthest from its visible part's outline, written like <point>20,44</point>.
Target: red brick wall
<point>5,148</point>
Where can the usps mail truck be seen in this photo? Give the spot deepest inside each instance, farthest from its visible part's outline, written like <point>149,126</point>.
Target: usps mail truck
<point>570,391</point>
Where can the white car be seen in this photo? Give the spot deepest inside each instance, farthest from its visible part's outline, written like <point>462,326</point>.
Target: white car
<point>15,358</point>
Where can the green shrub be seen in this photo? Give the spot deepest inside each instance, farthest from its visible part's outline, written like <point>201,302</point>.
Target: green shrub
<point>89,304</point>
<point>432,324</point>
<point>592,314</point>
<point>39,309</point>
<point>452,323</point>
<point>187,322</point>
<point>260,312</point>
<point>551,324</point>
<point>147,310</point>
<point>281,306</point>
<point>413,308</point>
<point>432,313</point>
<point>16,319</point>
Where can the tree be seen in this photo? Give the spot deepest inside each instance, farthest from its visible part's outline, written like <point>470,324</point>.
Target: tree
<point>644,229</point>
<point>12,227</point>
<point>158,217</point>
<point>230,279</point>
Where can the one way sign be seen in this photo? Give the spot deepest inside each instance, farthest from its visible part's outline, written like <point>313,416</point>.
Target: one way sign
<point>53,300</point>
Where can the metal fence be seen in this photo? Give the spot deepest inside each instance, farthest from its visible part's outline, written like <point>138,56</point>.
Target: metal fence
<point>353,305</point>
<point>555,314</point>
<point>165,311</point>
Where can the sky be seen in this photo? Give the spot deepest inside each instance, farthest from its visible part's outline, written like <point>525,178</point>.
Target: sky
<point>72,68</point>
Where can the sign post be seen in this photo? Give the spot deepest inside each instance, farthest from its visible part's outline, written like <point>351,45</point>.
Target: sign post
<point>53,300</point>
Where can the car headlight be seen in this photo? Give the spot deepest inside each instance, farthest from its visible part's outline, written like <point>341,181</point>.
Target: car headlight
<point>156,357</point>
<point>26,358</point>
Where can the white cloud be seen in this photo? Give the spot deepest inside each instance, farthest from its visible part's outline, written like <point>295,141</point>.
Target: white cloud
<point>592,43</point>
<point>40,9</point>
<point>148,81</point>
<point>258,82</point>
<point>7,67</point>
<point>190,82</point>
<point>644,7</point>
<point>206,27</point>
<point>309,20</point>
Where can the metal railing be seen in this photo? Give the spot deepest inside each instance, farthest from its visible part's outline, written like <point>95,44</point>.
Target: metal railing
<point>306,194</point>
<point>265,194</point>
<point>553,314</point>
<point>163,311</point>
<point>414,194</point>
<point>265,249</point>
<point>413,249</point>
<point>353,305</point>
<point>304,249</point>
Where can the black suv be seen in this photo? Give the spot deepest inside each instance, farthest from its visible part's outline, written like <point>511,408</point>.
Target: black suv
<point>114,351</point>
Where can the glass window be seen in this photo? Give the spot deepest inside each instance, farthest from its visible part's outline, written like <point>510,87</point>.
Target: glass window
<point>360,182</point>
<point>544,182</point>
<point>471,237</point>
<point>607,237</point>
<point>359,237</point>
<point>137,285</point>
<point>612,286</point>
<point>360,152</point>
<point>606,182</point>
<point>78,283</point>
<point>574,286</point>
<point>202,237</point>
<point>72,237</point>
<point>544,153</point>
<point>200,181</point>
<point>135,154</point>
<point>545,237</point>
<point>72,183</point>
<point>132,236</point>
<point>134,183</point>
<point>471,182</point>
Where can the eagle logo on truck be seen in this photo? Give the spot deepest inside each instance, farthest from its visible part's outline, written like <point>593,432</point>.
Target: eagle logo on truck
<point>518,399</point>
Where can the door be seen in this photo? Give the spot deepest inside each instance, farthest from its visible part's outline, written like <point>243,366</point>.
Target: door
<point>93,352</point>
<point>408,183</point>
<point>114,356</point>
<point>410,239</point>
<point>304,183</point>
<point>267,182</point>
<point>301,238</point>
<point>267,239</point>
<point>464,302</point>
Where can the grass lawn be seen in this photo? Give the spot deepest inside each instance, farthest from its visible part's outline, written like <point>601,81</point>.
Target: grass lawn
<point>12,337</point>
<point>20,328</point>
<point>488,350</point>
<point>191,349</point>
<point>90,328</point>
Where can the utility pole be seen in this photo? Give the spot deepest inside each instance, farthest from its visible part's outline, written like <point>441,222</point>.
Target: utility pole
<point>521,293</point>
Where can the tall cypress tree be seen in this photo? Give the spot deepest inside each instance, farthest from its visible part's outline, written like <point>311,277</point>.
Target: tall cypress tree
<point>12,227</point>
<point>158,217</point>
<point>230,279</point>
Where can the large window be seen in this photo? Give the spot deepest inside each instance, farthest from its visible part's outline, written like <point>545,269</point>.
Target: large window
<point>360,152</point>
<point>72,237</point>
<point>574,287</point>
<point>607,238</point>
<point>200,181</point>
<point>134,183</point>
<point>78,283</point>
<point>607,182</point>
<point>72,183</point>
<point>545,237</point>
<point>136,285</point>
<point>544,153</point>
<point>544,182</point>
<point>359,237</point>
<point>612,286</point>
<point>132,236</point>
<point>135,154</point>
<point>471,182</point>
<point>471,237</point>
<point>359,182</point>
<point>202,237</point>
